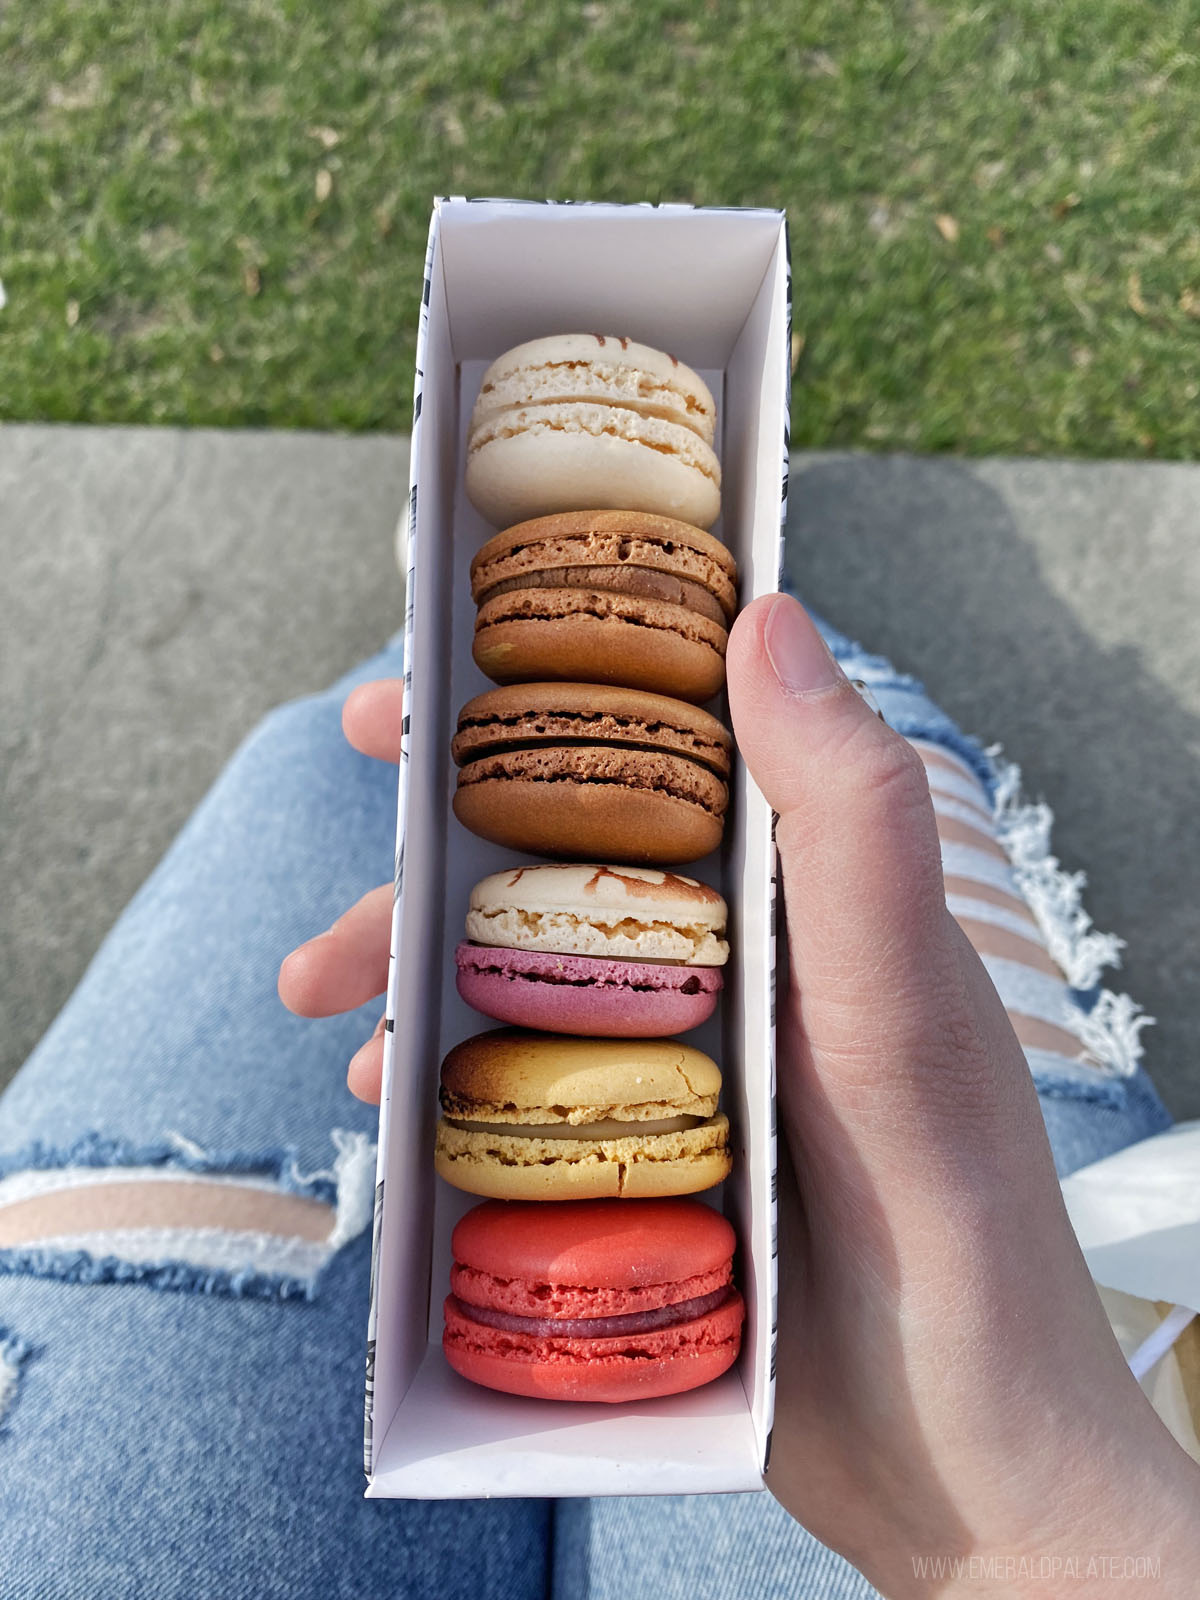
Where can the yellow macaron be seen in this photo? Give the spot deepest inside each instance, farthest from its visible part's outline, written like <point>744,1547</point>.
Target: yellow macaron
<point>539,1116</point>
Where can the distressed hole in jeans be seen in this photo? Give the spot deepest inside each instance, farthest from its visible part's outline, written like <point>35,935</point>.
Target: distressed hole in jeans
<point>175,1216</point>
<point>14,1352</point>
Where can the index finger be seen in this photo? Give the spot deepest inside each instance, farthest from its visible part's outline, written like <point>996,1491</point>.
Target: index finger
<point>373,717</point>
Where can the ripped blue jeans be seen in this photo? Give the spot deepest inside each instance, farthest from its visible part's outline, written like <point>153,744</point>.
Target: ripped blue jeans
<point>180,1405</point>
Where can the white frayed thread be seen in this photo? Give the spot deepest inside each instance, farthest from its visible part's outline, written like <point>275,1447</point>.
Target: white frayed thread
<point>1053,895</point>
<point>353,1175</point>
<point>13,1352</point>
<point>1110,1030</point>
<point>185,1146</point>
<point>230,1250</point>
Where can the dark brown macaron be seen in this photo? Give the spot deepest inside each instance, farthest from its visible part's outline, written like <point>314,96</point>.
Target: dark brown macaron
<point>584,771</point>
<point>621,597</point>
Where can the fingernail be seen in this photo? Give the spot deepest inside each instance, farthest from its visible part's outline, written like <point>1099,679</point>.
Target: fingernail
<point>801,658</point>
<point>863,691</point>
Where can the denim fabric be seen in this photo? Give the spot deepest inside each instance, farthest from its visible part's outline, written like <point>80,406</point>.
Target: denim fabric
<point>904,703</point>
<point>176,1444</point>
<point>1087,1114</point>
<point>172,1444</point>
<point>169,1446</point>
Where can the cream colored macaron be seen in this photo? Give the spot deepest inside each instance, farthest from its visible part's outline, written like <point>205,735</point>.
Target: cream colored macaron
<point>539,1116</point>
<point>623,913</point>
<point>590,421</point>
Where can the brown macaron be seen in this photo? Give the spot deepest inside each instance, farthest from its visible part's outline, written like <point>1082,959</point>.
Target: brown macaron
<point>588,772</point>
<point>621,597</point>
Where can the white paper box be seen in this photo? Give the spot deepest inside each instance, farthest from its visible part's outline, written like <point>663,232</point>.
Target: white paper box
<point>712,288</point>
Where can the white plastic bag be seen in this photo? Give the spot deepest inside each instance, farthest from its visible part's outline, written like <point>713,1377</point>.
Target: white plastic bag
<point>1137,1217</point>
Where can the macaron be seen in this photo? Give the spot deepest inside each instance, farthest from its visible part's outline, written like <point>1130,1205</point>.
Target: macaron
<point>616,952</point>
<point>539,1116</point>
<point>605,597</point>
<point>593,1300</point>
<point>581,420</point>
<point>592,773</point>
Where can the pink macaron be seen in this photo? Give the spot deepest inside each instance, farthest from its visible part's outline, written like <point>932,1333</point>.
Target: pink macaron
<point>593,1300</point>
<point>610,952</point>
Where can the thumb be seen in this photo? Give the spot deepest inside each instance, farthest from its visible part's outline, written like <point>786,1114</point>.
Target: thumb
<point>896,1015</point>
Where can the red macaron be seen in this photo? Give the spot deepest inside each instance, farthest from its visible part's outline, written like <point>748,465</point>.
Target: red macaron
<point>605,1300</point>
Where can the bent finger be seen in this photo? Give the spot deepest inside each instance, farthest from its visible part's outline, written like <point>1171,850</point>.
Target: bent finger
<point>345,967</point>
<point>364,1075</point>
<point>373,718</point>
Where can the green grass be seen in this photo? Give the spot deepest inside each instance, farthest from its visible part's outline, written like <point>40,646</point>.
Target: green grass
<point>172,253</point>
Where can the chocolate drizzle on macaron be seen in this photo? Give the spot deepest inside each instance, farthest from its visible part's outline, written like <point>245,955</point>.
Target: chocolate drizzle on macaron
<point>602,951</point>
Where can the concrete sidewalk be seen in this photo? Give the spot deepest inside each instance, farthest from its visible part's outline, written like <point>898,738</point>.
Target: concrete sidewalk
<point>165,589</point>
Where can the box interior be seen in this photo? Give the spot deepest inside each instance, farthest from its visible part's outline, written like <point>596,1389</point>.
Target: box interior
<point>712,288</point>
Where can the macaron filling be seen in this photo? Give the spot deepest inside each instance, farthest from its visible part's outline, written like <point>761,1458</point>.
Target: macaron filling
<point>599,421</point>
<point>606,605</point>
<point>471,1156</point>
<point>484,728</point>
<point>606,1128</point>
<point>525,1297</point>
<point>566,971</point>
<point>644,919</point>
<point>642,582</point>
<point>600,1327</point>
<point>622,766</point>
<point>596,380</point>
<point>654,556</point>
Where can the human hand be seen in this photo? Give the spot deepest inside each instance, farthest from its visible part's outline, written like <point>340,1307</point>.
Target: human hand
<point>345,967</point>
<point>948,1384</point>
